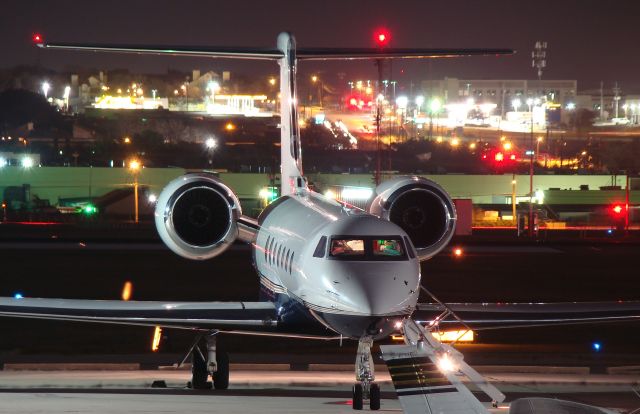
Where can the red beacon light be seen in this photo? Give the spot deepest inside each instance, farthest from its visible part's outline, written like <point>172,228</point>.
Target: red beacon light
<point>382,37</point>
<point>617,209</point>
<point>37,38</point>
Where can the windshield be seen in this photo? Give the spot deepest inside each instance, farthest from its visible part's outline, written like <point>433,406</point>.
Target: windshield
<point>367,248</point>
<point>347,247</point>
<point>387,247</point>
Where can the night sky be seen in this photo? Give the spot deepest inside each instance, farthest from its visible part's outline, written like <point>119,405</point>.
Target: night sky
<point>588,40</point>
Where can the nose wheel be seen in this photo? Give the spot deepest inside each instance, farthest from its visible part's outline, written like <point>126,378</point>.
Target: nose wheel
<point>365,388</point>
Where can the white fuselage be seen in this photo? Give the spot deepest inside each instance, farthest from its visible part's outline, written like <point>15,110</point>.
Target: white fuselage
<point>290,262</point>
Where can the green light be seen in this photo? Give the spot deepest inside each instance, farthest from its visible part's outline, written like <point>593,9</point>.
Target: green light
<point>89,209</point>
<point>269,194</point>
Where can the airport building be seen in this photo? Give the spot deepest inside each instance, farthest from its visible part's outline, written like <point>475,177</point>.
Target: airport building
<point>502,92</point>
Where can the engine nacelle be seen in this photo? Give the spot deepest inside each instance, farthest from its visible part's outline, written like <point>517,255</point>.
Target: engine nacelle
<point>196,216</point>
<point>421,208</point>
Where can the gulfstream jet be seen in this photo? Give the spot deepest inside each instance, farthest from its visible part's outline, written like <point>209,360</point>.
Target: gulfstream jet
<point>329,270</point>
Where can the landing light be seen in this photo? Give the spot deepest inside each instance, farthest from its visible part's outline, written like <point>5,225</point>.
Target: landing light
<point>445,364</point>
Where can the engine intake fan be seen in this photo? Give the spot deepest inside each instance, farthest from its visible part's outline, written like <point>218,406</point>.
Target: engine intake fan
<point>421,208</point>
<point>196,216</point>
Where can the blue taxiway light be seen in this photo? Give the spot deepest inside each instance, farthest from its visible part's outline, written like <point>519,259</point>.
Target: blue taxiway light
<point>18,296</point>
<point>596,346</point>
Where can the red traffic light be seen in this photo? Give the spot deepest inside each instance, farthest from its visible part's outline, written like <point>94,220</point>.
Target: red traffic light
<point>37,38</point>
<point>382,37</point>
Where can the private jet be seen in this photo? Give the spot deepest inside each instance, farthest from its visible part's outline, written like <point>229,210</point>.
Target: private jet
<point>327,270</point>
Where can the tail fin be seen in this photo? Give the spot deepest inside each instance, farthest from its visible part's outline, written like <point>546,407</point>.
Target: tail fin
<point>290,150</point>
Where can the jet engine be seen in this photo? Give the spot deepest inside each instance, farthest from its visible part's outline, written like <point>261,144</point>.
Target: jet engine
<point>421,208</point>
<point>196,216</point>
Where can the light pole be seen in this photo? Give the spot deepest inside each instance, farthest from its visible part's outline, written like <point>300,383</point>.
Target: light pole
<point>513,199</point>
<point>434,108</point>
<point>316,79</point>
<point>531,173</point>
<point>134,167</point>
<point>516,104</point>
<point>213,87</point>
<point>419,102</point>
<point>538,141</point>
<point>67,92</point>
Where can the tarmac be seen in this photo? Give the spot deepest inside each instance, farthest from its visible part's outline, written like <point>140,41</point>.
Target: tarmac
<point>269,391</point>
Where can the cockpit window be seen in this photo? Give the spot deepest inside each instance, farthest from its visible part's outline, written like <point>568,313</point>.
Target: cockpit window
<point>347,247</point>
<point>387,247</point>
<point>367,248</point>
<point>321,247</point>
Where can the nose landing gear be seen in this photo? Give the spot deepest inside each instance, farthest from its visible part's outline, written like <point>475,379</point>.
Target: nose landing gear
<point>215,364</point>
<point>365,387</point>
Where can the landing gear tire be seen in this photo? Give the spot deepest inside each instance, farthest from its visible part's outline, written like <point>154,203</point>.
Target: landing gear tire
<point>199,374</point>
<point>357,398</point>
<point>374,397</point>
<point>221,376</point>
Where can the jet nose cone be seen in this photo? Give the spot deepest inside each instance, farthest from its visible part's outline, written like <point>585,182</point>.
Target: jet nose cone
<point>381,294</point>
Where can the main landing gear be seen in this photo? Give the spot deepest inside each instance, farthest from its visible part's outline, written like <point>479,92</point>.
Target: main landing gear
<point>214,364</point>
<point>365,388</point>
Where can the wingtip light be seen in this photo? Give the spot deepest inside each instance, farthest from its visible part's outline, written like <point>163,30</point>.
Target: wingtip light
<point>37,39</point>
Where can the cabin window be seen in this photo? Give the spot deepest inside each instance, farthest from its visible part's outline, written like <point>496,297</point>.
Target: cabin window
<point>266,248</point>
<point>286,260</point>
<point>272,250</point>
<point>291,262</point>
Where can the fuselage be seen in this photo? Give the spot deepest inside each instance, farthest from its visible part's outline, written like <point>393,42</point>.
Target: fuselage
<point>353,272</point>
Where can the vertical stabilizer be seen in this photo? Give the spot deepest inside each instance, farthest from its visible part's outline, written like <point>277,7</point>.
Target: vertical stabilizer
<point>290,151</point>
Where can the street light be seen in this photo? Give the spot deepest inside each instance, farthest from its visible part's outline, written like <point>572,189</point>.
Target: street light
<point>516,104</point>
<point>45,88</point>
<point>210,144</point>
<point>67,92</point>
<point>434,108</point>
<point>419,102</point>
<point>134,167</point>
<point>316,79</point>
<point>529,103</point>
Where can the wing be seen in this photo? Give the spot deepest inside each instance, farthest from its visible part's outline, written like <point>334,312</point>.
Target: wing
<point>393,53</point>
<point>274,54</point>
<point>485,316</point>
<point>249,316</point>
